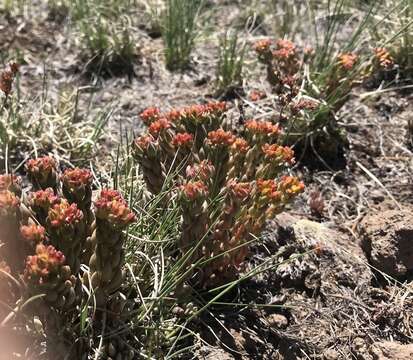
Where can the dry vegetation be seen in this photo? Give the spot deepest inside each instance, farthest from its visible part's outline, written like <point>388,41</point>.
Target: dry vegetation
<point>206,179</point>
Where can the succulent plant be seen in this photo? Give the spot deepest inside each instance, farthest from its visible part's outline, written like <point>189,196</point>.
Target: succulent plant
<point>227,183</point>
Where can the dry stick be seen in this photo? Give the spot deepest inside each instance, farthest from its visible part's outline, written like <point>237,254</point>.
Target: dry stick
<point>377,181</point>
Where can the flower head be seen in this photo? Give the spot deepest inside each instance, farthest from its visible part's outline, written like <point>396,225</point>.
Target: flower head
<point>291,186</point>
<point>34,234</point>
<point>150,115</point>
<point>111,206</point>
<point>194,190</point>
<point>278,153</point>
<point>181,140</point>
<point>240,146</point>
<point>268,189</point>
<point>262,127</point>
<point>41,168</point>
<point>384,58</point>
<point>220,137</point>
<point>9,203</point>
<point>47,261</point>
<point>262,46</point>
<point>158,126</point>
<point>347,61</point>
<point>64,214</point>
<point>76,178</point>
<point>285,50</point>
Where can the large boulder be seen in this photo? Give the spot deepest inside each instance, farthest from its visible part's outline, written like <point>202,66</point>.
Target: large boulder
<point>387,239</point>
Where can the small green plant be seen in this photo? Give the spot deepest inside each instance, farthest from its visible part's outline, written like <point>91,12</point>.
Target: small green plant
<point>393,29</point>
<point>179,31</point>
<point>26,125</point>
<point>104,28</point>
<point>230,63</point>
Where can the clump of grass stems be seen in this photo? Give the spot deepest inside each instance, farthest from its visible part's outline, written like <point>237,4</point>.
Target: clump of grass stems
<point>104,29</point>
<point>230,63</point>
<point>179,31</point>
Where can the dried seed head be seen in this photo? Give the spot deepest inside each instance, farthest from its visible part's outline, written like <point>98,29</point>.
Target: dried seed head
<point>202,171</point>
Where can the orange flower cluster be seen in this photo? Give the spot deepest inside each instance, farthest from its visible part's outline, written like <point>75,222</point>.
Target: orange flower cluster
<point>194,190</point>
<point>183,140</point>
<point>240,145</point>
<point>46,262</point>
<point>143,142</point>
<point>262,127</point>
<point>384,58</point>
<point>268,190</point>
<point>291,186</point>
<point>200,112</point>
<point>285,50</point>
<point>9,203</point>
<point>158,126</point>
<point>33,234</point>
<point>347,60</point>
<point>279,154</point>
<point>64,214</point>
<point>149,115</point>
<point>220,137</point>
<point>262,46</point>
<point>43,165</point>
<point>76,178</point>
<point>111,206</point>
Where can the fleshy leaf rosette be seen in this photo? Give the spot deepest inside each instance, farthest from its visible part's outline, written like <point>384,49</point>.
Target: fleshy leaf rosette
<point>46,273</point>
<point>112,216</point>
<point>66,226</point>
<point>42,172</point>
